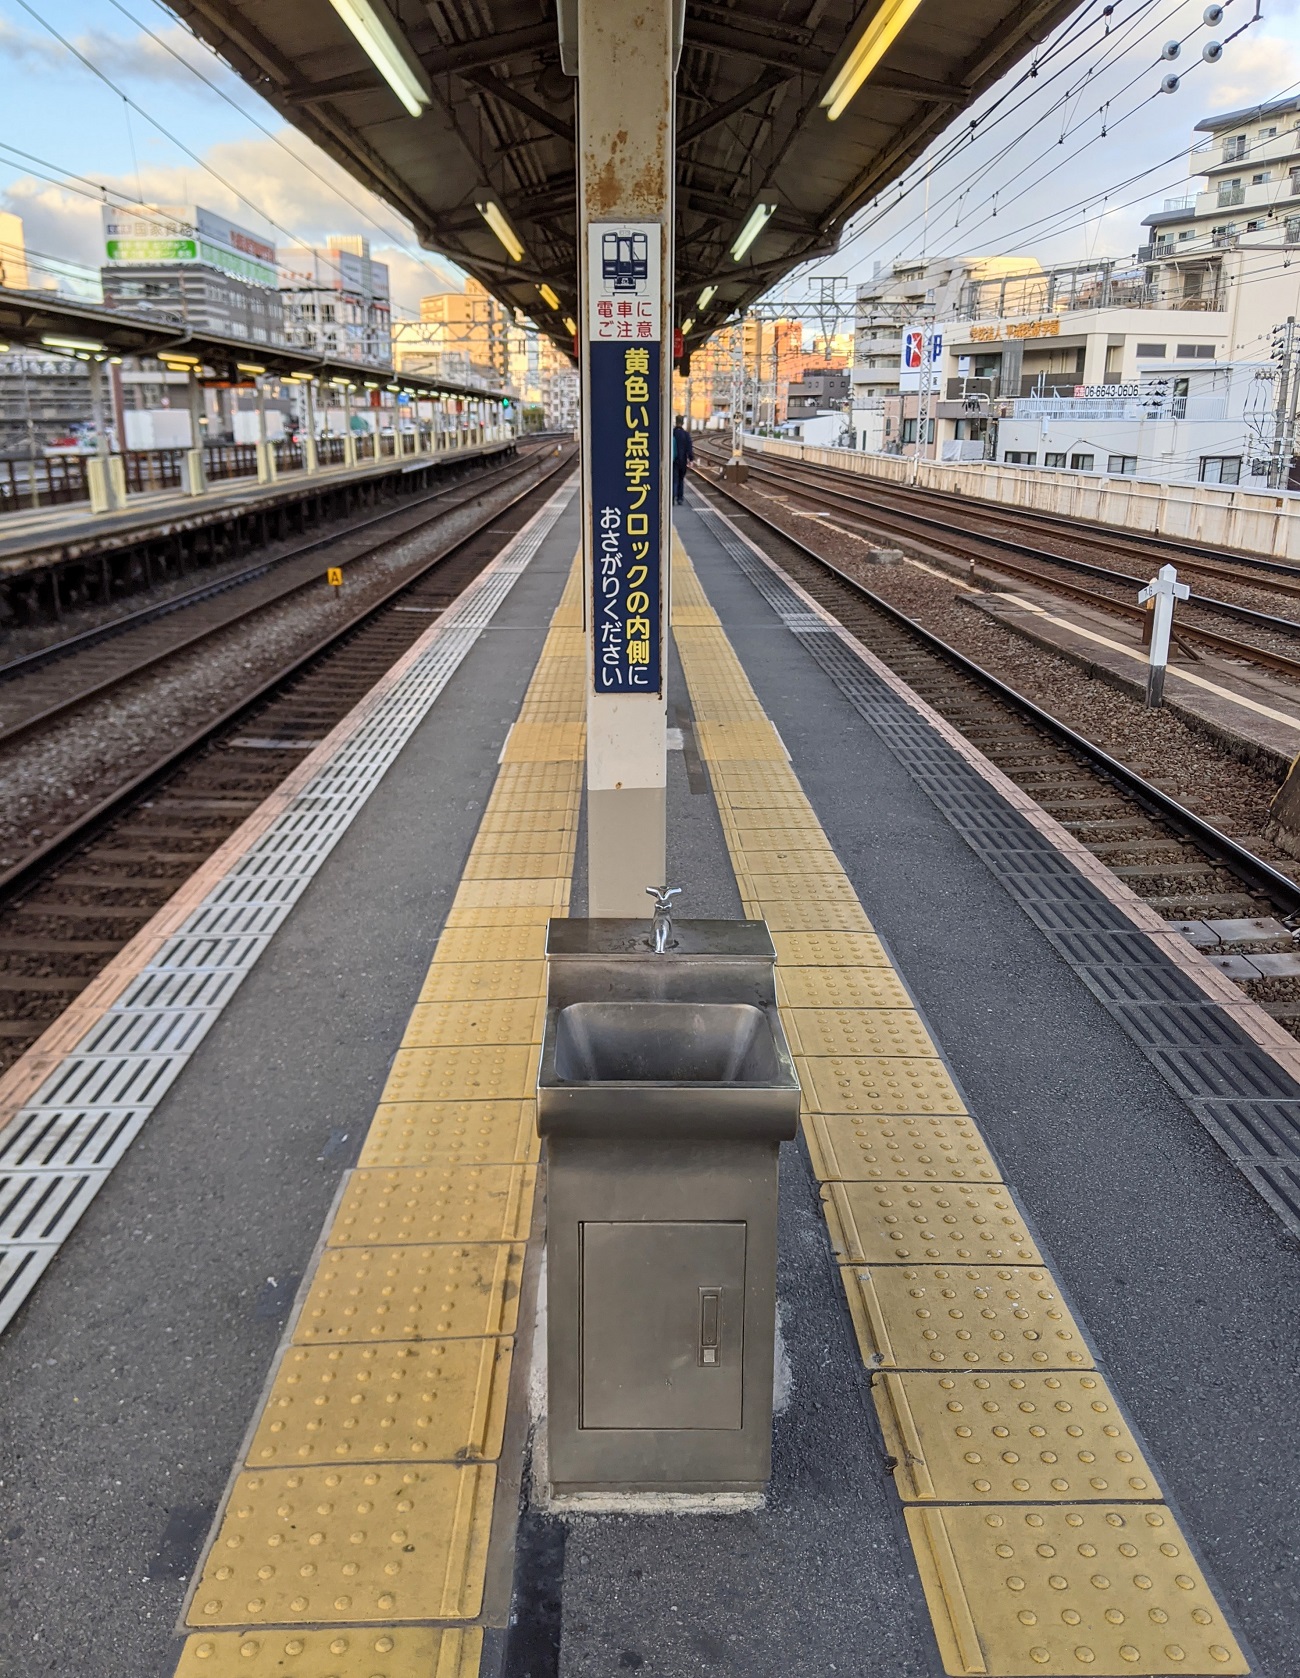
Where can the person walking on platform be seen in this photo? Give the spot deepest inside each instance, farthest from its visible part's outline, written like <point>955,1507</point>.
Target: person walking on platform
<point>683,455</point>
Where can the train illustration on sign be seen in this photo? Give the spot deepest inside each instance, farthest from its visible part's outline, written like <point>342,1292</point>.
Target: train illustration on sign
<point>625,260</point>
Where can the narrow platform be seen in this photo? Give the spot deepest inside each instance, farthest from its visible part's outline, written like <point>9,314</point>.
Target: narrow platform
<point>1030,1112</point>
<point>45,535</point>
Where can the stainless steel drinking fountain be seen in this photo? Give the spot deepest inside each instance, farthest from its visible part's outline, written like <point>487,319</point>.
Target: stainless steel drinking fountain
<point>665,1089</point>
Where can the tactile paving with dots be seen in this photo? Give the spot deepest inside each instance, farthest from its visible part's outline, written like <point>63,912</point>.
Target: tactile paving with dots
<point>481,1072</point>
<point>970,1437</point>
<point>871,1148</point>
<point>877,1084</point>
<point>451,1133</point>
<point>857,1031</point>
<point>962,1316</point>
<point>467,981</point>
<point>785,914</point>
<point>352,1544</point>
<point>519,865</point>
<point>496,919</point>
<point>351,1652</point>
<point>840,987</point>
<point>813,858</point>
<point>898,1223</point>
<point>411,1293</point>
<point>441,1401</point>
<point>829,949</point>
<point>430,1203</point>
<point>1075,1588</point>
<point>523,943</point>
<point>483,1020</point>
<point>549,894</point>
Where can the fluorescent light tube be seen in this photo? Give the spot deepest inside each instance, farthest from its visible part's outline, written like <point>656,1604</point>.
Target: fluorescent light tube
<point>70,343</point>
<point>706,297</point>
<point>248,367</point>
<point>494,216</point>
<point>548,297</point>
<point>759,217</point>
<point>871,46</point>
<point>687,325</point>
<point>387,49</point>
<point>571,325</point>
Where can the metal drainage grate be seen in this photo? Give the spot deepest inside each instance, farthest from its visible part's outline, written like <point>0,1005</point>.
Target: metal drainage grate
<point>1245,1099</point>
<point>58,1150</point>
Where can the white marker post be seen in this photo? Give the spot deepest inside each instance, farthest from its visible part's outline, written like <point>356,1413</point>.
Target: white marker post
<point>1163,589</point>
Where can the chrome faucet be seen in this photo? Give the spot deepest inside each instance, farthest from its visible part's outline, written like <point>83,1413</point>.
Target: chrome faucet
<point>662,927</point>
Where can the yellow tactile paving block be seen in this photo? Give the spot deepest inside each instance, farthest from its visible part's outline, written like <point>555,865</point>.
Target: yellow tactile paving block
<point>813,862</point>
<point>1072,1589</point>
<point>341,1652</point>
<point>357,1544</point>
<point>839,987</point>
<point>530,832</point>
<point>368,1294</point>
<point>451,1133</point>
<point>463,919</point>
<point>819,890</point>
<point>453,1024</point>
<point>782,798</point>
<point>549,894</point>
<point>519,865</point>
<point>749,742</point>
<point>784,914</point>
<point>990,1438</point>
<point>819,948</point>
<point>693,617</point>
<point>918,1146</point>
<point>524,940</point>
<point>441,1401</point>
<point>430,1203</point>
<point>877,1084</point>
<point>962,1316</point>
<point>465,981</point>
<point>857,1031</point>
<point>902,1223</point>
<point>533,742</point>
<point>484,1072</point>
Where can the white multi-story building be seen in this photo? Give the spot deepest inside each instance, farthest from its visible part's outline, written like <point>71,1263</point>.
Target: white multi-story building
<point>336,301</point>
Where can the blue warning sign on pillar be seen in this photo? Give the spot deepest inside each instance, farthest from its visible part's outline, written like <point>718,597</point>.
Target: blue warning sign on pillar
<point>626,458</point>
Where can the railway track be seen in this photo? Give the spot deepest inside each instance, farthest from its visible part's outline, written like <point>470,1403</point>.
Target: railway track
<point>966,543</point>
<point>54,680</point>
<point>1185,866</point>
<point>73,901</point>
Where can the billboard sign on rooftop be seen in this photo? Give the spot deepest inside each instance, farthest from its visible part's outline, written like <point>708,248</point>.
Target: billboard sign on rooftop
<point>147,234</point>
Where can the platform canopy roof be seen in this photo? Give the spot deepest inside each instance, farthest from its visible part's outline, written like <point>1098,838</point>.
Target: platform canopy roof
<point>498,125</point>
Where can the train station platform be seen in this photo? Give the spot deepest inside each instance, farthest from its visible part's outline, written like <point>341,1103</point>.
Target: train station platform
<point>44,536</point>
<point>271,1378</point>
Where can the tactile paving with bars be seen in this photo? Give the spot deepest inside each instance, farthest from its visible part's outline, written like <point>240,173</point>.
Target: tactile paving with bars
<point>984,1384</point>
<point>99,1096</point>
<point>366,1498</point>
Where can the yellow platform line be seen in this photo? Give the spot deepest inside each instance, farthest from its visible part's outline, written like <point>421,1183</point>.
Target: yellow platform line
<point>1040,1531</point>
<point>353,1540</point>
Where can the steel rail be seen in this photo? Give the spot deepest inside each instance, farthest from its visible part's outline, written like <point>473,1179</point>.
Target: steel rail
<point>1251,870</point>
<point>23,873</point>
<point>205,591</point>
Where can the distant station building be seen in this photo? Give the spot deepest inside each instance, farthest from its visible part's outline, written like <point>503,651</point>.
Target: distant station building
<point>337,301</point>
<point>193,266</point>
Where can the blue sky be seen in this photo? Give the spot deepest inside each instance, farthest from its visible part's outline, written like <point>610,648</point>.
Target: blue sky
<point>1056,201</point>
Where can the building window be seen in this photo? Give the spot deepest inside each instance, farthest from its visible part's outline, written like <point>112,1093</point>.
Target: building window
<point>1234,148</point>
<point>1121,465</point>
<point>1052,459</point>
<point>1189,234</point>
<point>1018,457</point>
<point>1081,463</point>
<point>1195,352</point>
<point>1291,230</point>
<point>1151,352</point>
<point>1258,180</point>
<point>908,433</point>
<point>1268,133</point>
<point>1252,227</point>
<point>1220,469</point>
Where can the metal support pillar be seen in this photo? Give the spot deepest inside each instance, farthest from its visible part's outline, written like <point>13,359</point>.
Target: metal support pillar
<point>266,463</point>
<point>309,430</point>
<point>193,477</point>
<point>99,473</point>
<point>626,67</point>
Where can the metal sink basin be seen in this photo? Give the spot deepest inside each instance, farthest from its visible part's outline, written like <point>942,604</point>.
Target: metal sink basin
<point>685,1044</point>
<point>664,1043</point>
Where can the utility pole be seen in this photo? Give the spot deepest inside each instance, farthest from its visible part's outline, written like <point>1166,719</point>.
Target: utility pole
<point>1285,344</point>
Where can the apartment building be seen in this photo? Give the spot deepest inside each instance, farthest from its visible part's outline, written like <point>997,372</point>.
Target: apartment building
<point>337,302</point>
